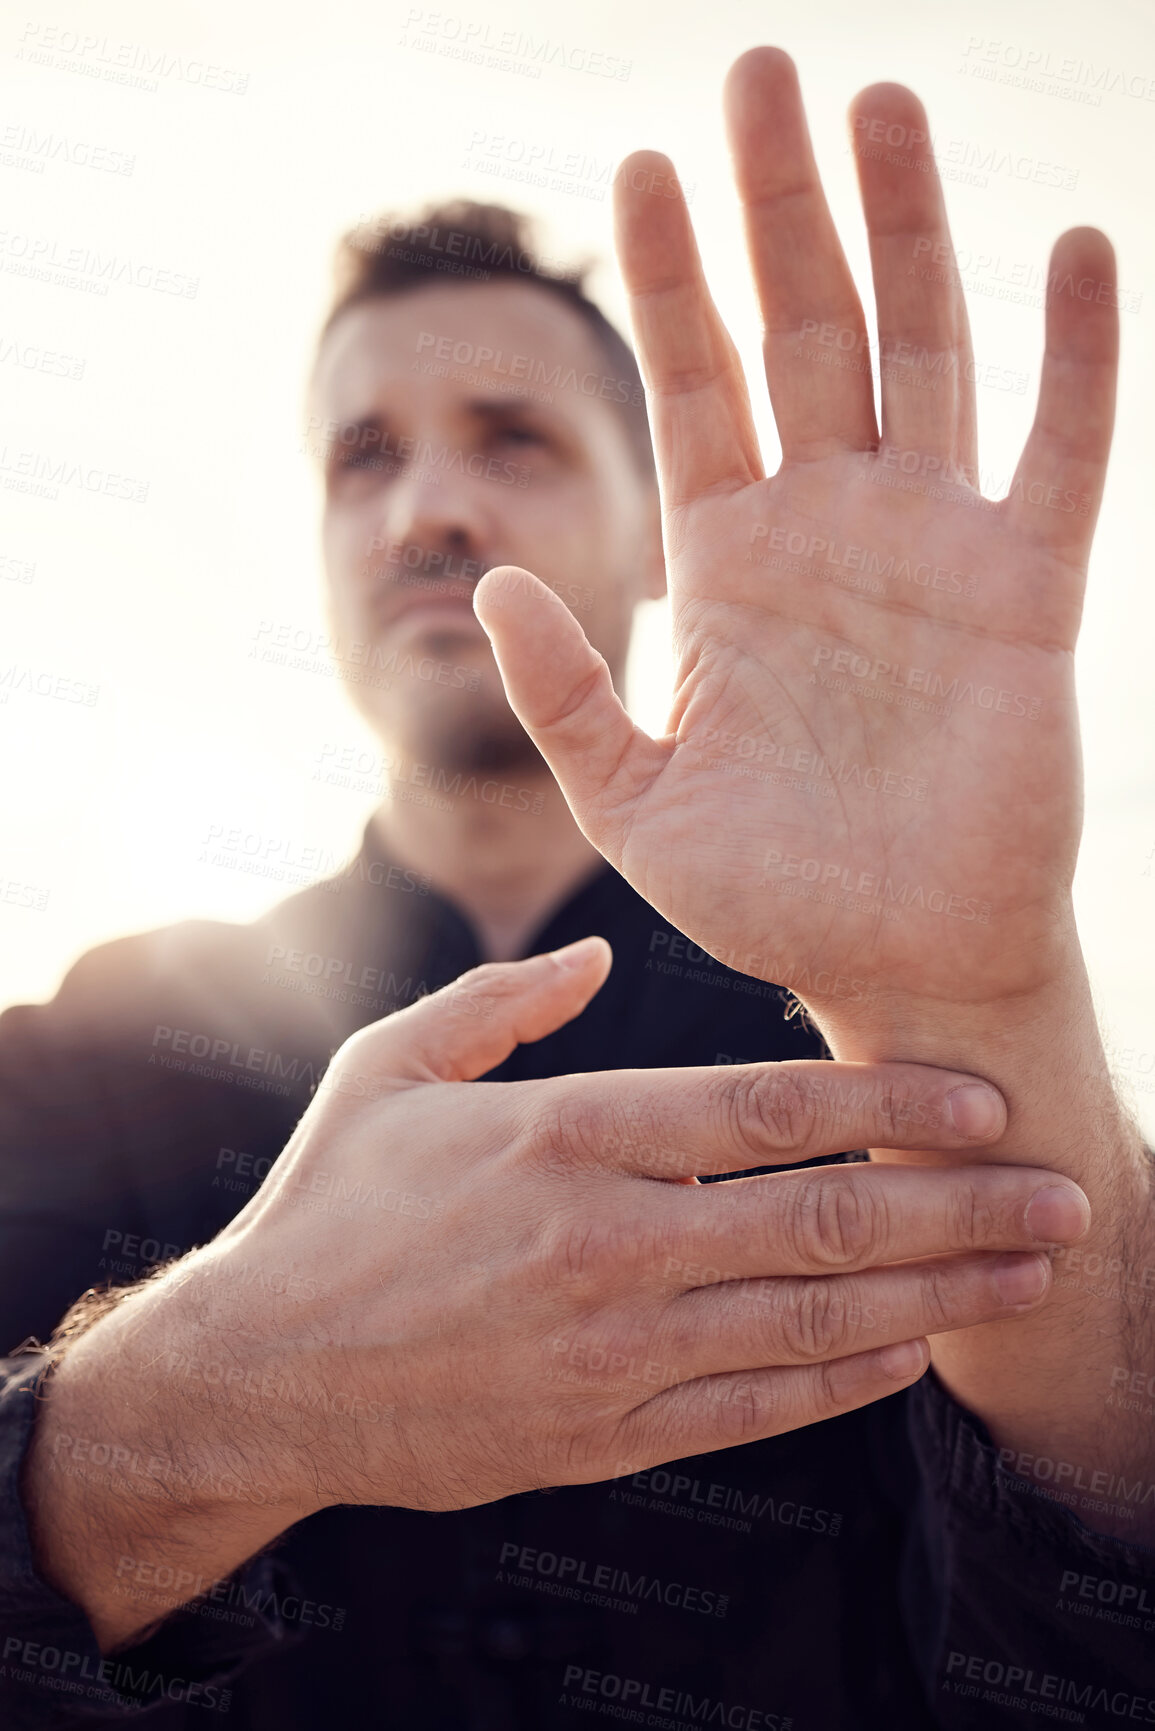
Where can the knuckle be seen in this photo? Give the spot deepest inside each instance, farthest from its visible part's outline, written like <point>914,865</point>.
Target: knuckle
<point>830,1387</point>
<point>939,1301</point>
<point>745,1408</point>
<point>890,1114</point>
<point>814,1324</point>
<point>772,1111</point>
<point>596,1133</point>
<point>971,1221</point>
<point>576,1253</point>
<point>835,1220</point>
<point>574,1130</point>
<point>498,980</point>
<point>591,1256</point>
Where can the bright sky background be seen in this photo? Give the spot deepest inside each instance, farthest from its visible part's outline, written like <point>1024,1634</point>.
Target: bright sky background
<point>352,108</point>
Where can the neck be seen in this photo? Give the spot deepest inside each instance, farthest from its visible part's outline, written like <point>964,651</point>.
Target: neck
<point>504,849</point>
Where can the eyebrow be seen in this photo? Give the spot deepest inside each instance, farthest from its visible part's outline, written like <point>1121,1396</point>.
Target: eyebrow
<point>501,408</point>
<point>351,433</point>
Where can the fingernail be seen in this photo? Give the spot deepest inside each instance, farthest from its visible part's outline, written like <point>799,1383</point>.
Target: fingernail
<point>1058,1214</point>
<point>1021,1279</point>
<point>575,955</point>
<point>906,1358</point>
<point>975,1110</point>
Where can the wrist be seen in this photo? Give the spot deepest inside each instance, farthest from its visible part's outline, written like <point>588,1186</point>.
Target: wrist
<point>128,1479</point>
<point>1041,1049</point>
<point>149,1407</point>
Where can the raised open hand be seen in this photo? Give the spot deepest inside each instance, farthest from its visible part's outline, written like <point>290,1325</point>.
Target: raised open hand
<point>870,782</point>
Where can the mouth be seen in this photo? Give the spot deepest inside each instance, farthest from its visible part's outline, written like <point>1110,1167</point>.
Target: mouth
<point>440,615</point>
<point>415,604</point>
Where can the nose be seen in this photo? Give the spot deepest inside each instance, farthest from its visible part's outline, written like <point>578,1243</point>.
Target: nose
<point>439,514</point>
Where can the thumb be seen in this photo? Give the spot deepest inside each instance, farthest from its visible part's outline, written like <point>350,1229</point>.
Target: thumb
<point>467,1028</point>
<point>560,689</point>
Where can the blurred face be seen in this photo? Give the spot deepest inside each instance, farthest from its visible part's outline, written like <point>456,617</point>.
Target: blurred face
<point>462,427</point>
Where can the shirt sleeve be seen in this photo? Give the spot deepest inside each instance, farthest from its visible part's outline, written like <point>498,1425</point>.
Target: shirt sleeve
<point>70,1106</point>
<point>1018,1612</point>
<point>52,1672</point>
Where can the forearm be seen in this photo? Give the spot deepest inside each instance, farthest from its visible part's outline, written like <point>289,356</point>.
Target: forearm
<point>1057,1385</point>
<point>141,1492</point>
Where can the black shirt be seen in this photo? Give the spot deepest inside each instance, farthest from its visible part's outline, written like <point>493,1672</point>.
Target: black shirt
<point>876,1570</point>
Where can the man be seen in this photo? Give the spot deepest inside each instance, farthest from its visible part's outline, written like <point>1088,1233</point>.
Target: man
<point>445,1297</point>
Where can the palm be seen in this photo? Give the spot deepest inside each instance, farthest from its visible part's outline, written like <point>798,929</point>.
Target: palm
<point>779,822</point>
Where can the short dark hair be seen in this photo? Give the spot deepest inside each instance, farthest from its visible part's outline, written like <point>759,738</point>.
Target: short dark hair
<point>463,242</point>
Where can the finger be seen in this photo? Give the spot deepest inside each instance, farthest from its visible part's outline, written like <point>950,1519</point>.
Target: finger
<point>682,1123</point>
<point>836,1219</point>
<point>699,407</point>
<point>471,1026</point>
<point>815,344</point>
<point>561,691</point>
<point>751,1324</point>
<point>1058,486</point>
<point>925,360</point>
<point>722,1412</point>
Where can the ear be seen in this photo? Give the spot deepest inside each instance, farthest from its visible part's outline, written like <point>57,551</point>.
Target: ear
<point>653,569</point>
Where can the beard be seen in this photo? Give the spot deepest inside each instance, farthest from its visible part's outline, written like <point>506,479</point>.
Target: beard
<point>468,733</point>
<point>485,745</point>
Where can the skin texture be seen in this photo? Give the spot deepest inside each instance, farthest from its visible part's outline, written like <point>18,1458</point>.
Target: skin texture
<point>779,1323</point>
<point>548,1297</point>
<point>450,474</point>
<point>956,911</point>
